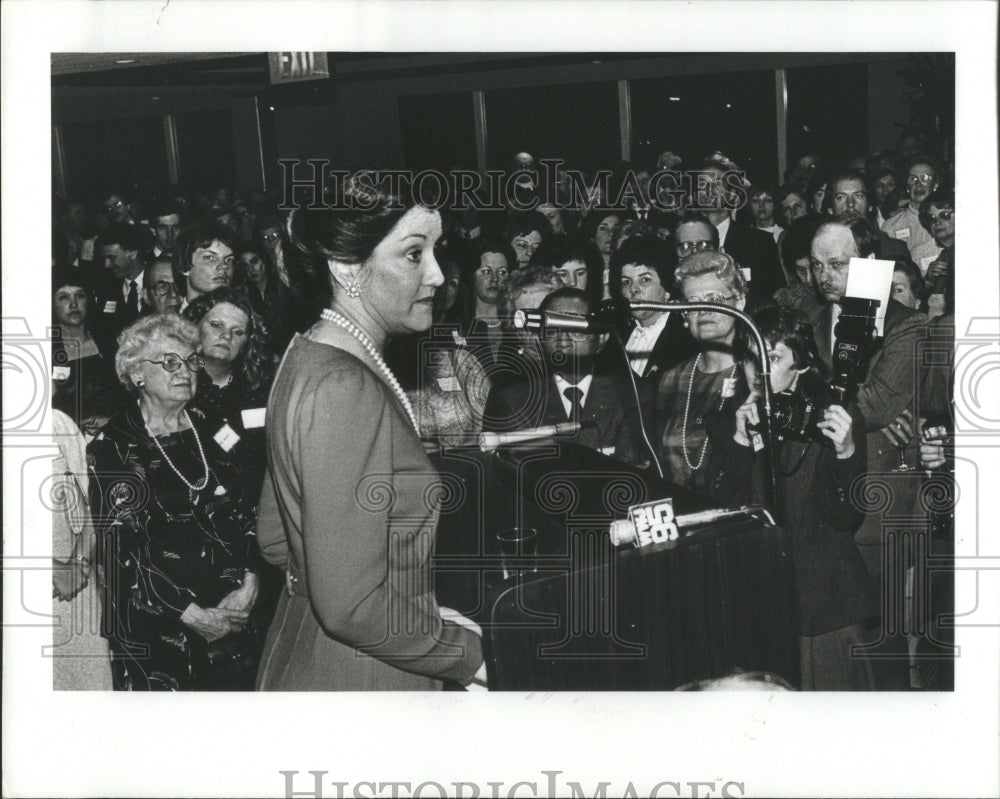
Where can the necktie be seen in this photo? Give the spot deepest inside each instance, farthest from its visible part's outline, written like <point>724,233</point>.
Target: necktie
<point>132,301</point>
<point>575,397</point>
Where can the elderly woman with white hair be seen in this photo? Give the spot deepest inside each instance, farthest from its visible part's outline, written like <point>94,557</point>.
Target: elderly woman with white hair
<point>175,524</point>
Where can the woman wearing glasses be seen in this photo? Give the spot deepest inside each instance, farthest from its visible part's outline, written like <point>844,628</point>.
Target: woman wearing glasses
<point>709,383</point>
<point>937,215</point>
<point>175,524</point>
<point>921,183</point>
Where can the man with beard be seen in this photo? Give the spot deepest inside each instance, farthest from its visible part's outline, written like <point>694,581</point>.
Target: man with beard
<point>572,390</point>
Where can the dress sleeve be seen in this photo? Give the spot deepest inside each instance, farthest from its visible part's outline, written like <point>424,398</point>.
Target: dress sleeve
<point>363,594</point>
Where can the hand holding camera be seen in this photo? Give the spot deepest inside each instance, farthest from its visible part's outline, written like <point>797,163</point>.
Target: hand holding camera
<point>836,425</point>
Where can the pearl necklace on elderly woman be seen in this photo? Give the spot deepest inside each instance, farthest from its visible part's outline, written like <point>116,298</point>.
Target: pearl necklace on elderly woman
<point>364,341</point>
<point>192,487</point>
<point>687,408</point>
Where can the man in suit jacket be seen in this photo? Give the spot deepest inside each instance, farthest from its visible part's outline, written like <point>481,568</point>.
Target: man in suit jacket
<point>566,388</point>
<point>888,388</point>
<point>754,250</point>
<point>849,193</point>
<point>120,294</point>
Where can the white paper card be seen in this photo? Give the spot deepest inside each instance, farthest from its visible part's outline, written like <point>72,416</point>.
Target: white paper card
<point>110,306</point>
<point>871,279</point>
<point>449,384</point>
<point>746,273</point>
<point>60,373</point>
<point>226,437</point>
<point>253,417</point>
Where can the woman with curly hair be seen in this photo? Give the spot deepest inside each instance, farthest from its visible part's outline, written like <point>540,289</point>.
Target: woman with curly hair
<point>175,521</point>
<point>238,367</point>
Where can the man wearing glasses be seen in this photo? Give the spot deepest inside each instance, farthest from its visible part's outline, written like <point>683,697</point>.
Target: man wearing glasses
<point>161,291</point>
<point>921,182</point>
<point>571,389</point>
<point>117,209</point>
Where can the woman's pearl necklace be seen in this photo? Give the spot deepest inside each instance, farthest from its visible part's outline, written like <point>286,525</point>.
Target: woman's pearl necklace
<point>354,330</point>
<point>687,408</point>
<point>192,487</point>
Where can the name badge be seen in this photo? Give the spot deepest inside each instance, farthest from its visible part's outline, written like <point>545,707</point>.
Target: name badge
<point>253,417</point>
<point>607,450</point>
<point>903,233</point>
<point>729,387</point>
<point>226,437</point>
<point>449,384</point>
<point>926,262</point>
<point>758,442</point>
<point>746,273</point>
<point>60,373</point>
<point>110,306</point>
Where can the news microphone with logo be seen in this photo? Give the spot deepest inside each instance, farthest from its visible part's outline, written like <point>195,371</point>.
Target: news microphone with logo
<point>610,315</point>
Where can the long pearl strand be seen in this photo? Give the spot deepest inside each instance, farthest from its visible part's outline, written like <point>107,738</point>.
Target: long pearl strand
<point>687,408</point>
<point>192,487</point>
<point>364,341</point>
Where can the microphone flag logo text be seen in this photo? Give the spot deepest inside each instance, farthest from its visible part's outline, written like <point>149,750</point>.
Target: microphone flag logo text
<point>654,522</point>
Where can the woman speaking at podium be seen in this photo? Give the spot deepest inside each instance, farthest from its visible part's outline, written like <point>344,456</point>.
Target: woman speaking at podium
<point>348,510</point>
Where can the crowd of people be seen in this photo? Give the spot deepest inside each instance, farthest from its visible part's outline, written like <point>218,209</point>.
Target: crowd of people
<point>237,372</point>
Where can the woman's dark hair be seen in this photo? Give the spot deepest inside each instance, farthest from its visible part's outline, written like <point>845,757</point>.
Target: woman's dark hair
<point>789,326</point>
<point>788,189</point>
<point>197,236</point>
<point>255,365</point>
<point>358,214</point>
<point>590,223</point>
<point>66,276</point>
<point>484,245</point>
<point>939,198</point>
<point>913,276</point>
<point>646,251</point>
<point>240,278</point>
<point>523,223</point>
<point>562,250</point>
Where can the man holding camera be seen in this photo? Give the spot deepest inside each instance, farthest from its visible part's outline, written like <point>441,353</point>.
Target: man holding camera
<point>886,392</point>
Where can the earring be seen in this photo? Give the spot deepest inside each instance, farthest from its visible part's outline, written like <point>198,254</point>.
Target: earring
<point>353,289</point>
<point>140,383</point>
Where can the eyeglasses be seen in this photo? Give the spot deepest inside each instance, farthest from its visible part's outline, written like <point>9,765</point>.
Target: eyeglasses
<point>714,299</point>
<point>114,205</point>
<point>688,247</point>
<point>524,245</point>
<point>163,288</point>
<point>271,237</point>
<point>172,362</point>
<point>923,178</point>
<point>487,271</point>
<point>943,216</point>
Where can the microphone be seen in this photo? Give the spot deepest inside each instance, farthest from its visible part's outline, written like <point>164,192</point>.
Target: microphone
<point>490,441</point>
<point>610,315</point>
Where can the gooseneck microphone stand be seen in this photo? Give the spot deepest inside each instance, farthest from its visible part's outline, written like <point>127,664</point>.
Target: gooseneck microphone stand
<point>765,379</point>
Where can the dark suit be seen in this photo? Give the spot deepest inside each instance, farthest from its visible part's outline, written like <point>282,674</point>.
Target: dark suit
<point>673,346</point>
<point>609,416</point>
<point>891,249</point>
<point>889,388</point>
<point>110,315</point>
<point>755,250</point>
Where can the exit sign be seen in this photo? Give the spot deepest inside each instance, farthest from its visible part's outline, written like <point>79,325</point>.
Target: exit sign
<point>289,67</point>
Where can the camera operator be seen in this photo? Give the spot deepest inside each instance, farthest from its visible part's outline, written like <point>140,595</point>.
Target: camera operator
<point>886,389</point>
<point>820,452</point>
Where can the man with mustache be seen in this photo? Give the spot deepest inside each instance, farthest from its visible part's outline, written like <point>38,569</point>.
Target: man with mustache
<point>887,390</point>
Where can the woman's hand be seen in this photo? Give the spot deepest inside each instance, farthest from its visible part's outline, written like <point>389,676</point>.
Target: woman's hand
<point>747,414</point>
<point>932,452</point>
<point>836,426</point>
<point>238,604</point>
<point>936,269</point>
<point>69,578</point>
<point>210,623</point>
